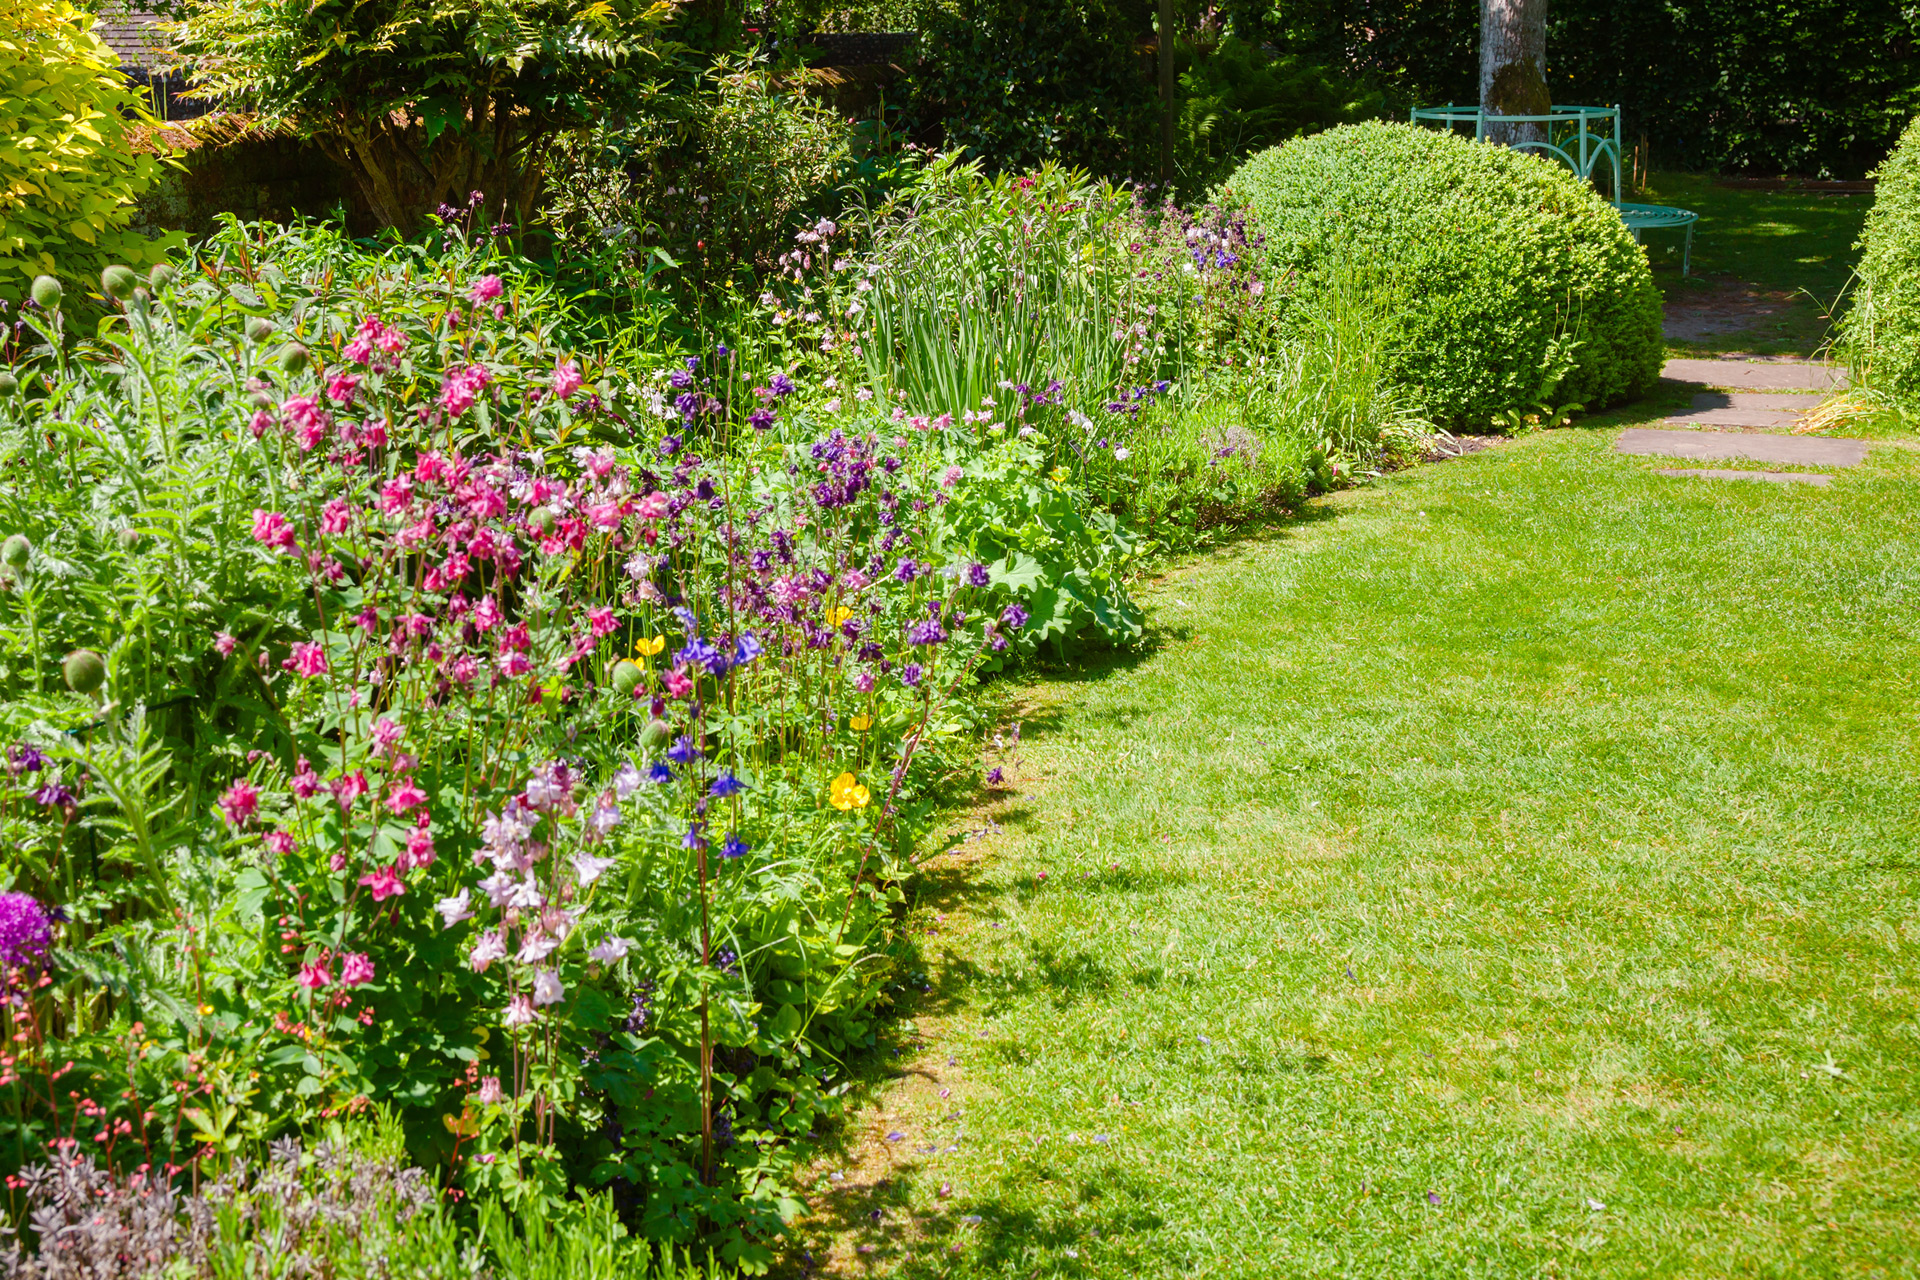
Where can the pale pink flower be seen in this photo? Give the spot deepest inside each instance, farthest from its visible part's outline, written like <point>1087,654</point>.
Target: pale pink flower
<point>547,988</point>
<point>951,477</point>
<point>652,507</point>
<point>356,970</point>
<point>611,951</point>
<point>486,289</point>
<point>224,643</point>
<point>386,735</point>
<point>488,948</point>
<point>455,909</point>
<point>239,803</point>
<point>589,868</point>
<point>519,1012</point>
<point>271,530</point>
<point>490,1092</point>
<point>536,947</point>
<point>280,842</point>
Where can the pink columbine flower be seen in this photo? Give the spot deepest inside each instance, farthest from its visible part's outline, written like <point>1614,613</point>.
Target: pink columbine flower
<point>486,615</point>
<point>305,781</point>
<point>259,423</point>
<point>316,975</point>
<point>602,621</point>
<point>336,516</point>
<point>566,379</point>
<point>385,883</point>
<point>490,1093</point>
<point>420,848</point>
<point>519,1012</point>
<point>951,477</point>
<point>271,530</point>
<point>390,340</point>
<point>280,842</point>
<point>224,643</point>
<point>461,387</point>
<point>308,421</point>
<point>343,387</point>
<point>486,949</point>
<point>455,909</point>
<point>349,788</point>
<point>239,803</point>
<point>356,970</point>
<point>386,734</point>
<point>486,289</point>
<point>405,795</point>
<point>308,660</point>
<point>652,507</point>
<point>678,685</point>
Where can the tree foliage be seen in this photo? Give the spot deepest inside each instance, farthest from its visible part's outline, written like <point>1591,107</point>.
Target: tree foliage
<point>68,179</point>
<point>423,101</point>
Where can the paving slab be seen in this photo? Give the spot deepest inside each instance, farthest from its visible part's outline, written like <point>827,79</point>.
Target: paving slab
<point>1755,400</point>
<point>1766,419</point>
<point>1771,477</point>
<point>1809,451</point>
<point>1756,375</point>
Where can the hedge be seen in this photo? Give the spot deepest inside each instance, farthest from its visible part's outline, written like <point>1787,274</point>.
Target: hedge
<point>1883,326</point>
<point>1494,270</point>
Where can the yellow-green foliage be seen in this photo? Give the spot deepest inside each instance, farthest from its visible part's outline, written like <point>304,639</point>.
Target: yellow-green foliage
<point>68,178</point>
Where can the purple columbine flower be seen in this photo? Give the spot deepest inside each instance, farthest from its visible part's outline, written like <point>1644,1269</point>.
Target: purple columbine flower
<point>910,675</point>
<point>53,796</point>
<point>696,837</point>
<point>1014,616</point>
<point>683,751</point>
<point>726,785</point>
<point>734,847</point>
<point>977,575</point>
<point>760,419</point>
<point>693,364</point>
<point>680,379</point>
<point>995,775</point>
<point>704,654</point>
<point>927,632</point>
<point>659,773</point>
<point>26,932</point>
<point>670,446</point>
<point>780,384</point>
<point>908,570</point>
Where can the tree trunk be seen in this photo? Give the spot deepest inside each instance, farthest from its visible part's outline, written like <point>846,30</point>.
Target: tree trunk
<point>1513,67</point>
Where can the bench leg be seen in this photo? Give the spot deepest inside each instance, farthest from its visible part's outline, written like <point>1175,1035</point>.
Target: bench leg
<point>1686,255</point>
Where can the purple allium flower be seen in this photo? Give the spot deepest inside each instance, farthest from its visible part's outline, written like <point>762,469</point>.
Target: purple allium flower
<point>1014,616</point>
<point>910,675</point>
<point>26,932</point>
<point>734,847</point>
<point>683,751</point>
<point>727,785</point>
<point>977,575</point>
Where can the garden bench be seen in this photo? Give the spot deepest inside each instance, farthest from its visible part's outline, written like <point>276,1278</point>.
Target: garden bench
<point>1581,138</point>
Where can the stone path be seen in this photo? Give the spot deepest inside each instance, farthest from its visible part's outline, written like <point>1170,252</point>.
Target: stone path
<point>1764,397</point>
<point>1774,477</point>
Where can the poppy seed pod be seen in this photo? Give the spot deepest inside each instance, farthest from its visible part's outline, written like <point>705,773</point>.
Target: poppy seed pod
<point>162,275</point>
<point>15,551</point>
<point>47,292</point>
<point>119,282</point>
<point>85,671</point>
<point>292,357</point>
<point>9,384</point>
<point>626,677</point>
<point>129,539</point>
<point>654,734</point>
<point>259,328</point>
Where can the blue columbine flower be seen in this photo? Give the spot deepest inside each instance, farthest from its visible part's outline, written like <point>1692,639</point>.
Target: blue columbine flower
<point>659,773</point>
<point>734,847</point>
<point>696,835</point>
<point>746,649</point>
<point>727,785</point>
<point>704,654</point>
<point>683,751</point>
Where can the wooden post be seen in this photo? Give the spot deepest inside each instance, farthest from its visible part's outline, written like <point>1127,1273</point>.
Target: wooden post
<point>1167,106</point>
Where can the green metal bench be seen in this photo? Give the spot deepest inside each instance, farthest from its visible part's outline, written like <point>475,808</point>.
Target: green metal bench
<point>1583,139</point>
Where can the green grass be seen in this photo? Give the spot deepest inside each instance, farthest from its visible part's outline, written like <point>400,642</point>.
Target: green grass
<point>1507,870</point>
<point>1785,243</point>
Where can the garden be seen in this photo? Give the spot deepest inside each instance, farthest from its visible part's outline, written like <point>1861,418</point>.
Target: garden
<point>1032,661</point>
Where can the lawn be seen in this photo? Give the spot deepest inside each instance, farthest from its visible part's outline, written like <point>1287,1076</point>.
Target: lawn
<point>1507,869</point>
<point>1791,253</point>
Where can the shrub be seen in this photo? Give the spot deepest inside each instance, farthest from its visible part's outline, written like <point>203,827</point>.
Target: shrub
<point>68,178</point>
<point>1012,83</point>
<point>1502,279</point>
<point>424,102</point>
<point>1883,327</point>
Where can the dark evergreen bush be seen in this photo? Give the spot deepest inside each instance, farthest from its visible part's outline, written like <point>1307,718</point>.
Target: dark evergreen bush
<point>1504,280</point>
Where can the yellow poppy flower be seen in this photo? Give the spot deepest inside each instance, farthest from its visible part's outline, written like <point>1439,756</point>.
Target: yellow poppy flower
<point>847,793</point>
<point>644,649</point>
<point>860,724</point>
